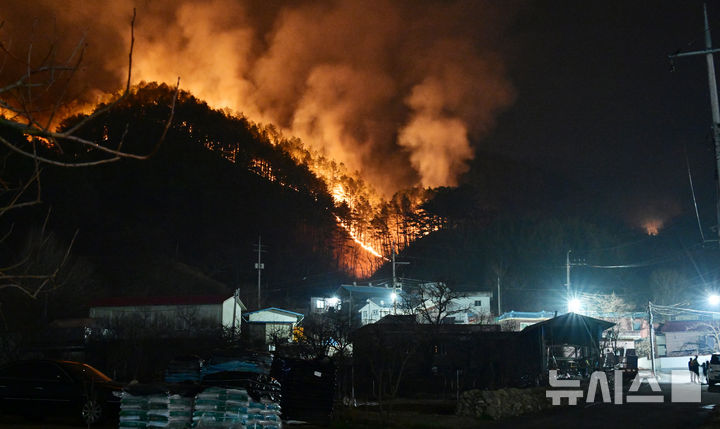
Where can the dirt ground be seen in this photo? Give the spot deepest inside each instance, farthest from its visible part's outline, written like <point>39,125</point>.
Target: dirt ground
<point>440,415</point>
<point>405,414</point>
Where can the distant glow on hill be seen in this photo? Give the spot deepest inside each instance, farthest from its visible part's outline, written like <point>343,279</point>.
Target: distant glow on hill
<point>652,226</point>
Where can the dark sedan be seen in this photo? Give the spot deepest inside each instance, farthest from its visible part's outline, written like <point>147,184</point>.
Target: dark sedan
<point>42,388</point>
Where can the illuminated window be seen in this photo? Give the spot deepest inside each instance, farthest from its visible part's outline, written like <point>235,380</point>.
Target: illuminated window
<point>319,304</point>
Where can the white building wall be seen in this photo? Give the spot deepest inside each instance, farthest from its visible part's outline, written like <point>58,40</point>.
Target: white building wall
<point>227,313</point>
<point>372,312</point>
<point>479,303</point>
<point>679,341</point>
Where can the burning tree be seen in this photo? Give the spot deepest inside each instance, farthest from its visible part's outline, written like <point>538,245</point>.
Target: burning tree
<point>34,95</point>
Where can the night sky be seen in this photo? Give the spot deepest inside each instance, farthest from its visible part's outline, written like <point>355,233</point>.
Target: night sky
<point>597,102</point>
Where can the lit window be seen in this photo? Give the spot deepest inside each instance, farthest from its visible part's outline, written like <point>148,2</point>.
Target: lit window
<point>320,304</point>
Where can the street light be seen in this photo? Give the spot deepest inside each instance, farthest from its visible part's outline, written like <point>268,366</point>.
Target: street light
<point>393,296</point>
<point>714,299</point>
<point>574,305</point>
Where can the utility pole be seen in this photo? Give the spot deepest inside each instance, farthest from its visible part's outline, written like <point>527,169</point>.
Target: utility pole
<point>235,303</point>
<point>568,264</point>
<point>712,87</point>
<point>652,340</point>
<point>567,272</point>
<point>498,285</point>
<point>394,279</point>
<point>259,266</point>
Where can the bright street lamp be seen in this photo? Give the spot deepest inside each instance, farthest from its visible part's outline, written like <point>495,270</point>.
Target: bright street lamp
<point>574,305</point>
<point>714,299</point>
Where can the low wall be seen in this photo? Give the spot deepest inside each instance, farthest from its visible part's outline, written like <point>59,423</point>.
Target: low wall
<point>496,404</point>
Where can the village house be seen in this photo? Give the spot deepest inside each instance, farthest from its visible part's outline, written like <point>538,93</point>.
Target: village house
<point>271,325</point>
<point>518,320</point>
<point>687,337</point>
<point>319,304</point>
<point>375,309</point>
<point>469,308</point>
<point>353,298</point>
<point>629,328</point>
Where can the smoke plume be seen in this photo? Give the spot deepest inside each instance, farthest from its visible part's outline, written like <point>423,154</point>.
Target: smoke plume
<point>395,89</point>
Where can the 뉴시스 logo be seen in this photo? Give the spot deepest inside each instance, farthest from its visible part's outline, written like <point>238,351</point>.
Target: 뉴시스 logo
<point>679,391</point>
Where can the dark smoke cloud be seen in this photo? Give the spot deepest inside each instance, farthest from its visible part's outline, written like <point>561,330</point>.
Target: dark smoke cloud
<point>394,89</point>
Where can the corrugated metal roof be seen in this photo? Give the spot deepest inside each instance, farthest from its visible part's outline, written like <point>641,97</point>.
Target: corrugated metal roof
<point>526,315</point>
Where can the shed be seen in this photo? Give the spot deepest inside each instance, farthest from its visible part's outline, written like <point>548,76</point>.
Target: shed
<point>270,324</point>
<point>570,342</point>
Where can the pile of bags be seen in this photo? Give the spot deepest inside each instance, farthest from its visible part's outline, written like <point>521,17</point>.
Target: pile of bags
<point>156,406</point>
<point>219,407</point>
<point>133,411</point>
<point>147,407</point>
<point>169,411</point>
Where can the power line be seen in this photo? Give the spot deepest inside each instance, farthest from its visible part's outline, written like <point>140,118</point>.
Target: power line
<point>692,189</point>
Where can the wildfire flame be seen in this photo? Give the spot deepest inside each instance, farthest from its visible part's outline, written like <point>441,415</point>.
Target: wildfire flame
<point>390,105</point>
<point>40,139</point>
<point>357,240</point>
<point>652,226</point>
<point>339,195</point>
<point>397,80</point>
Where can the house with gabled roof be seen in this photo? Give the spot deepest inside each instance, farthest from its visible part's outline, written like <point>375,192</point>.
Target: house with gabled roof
<point>687,337</point>
<point>375,309</point>
<point>272,324</point>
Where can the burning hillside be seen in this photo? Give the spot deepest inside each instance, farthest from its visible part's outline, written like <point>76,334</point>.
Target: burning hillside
<point>382,98</point>
<point>392,90</point>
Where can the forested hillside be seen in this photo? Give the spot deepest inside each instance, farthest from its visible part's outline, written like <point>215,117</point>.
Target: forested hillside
<point>185,220</point>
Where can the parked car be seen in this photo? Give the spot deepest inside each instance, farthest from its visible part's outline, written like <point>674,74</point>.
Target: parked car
<point>43,388</point>
<point>713,374</point>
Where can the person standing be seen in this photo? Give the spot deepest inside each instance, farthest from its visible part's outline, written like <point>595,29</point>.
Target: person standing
<point>690,369</point>
<point>696,369</point>
<point>707,369</point>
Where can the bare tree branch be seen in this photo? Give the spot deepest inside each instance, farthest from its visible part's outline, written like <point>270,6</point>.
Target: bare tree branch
<point>30,104</point>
